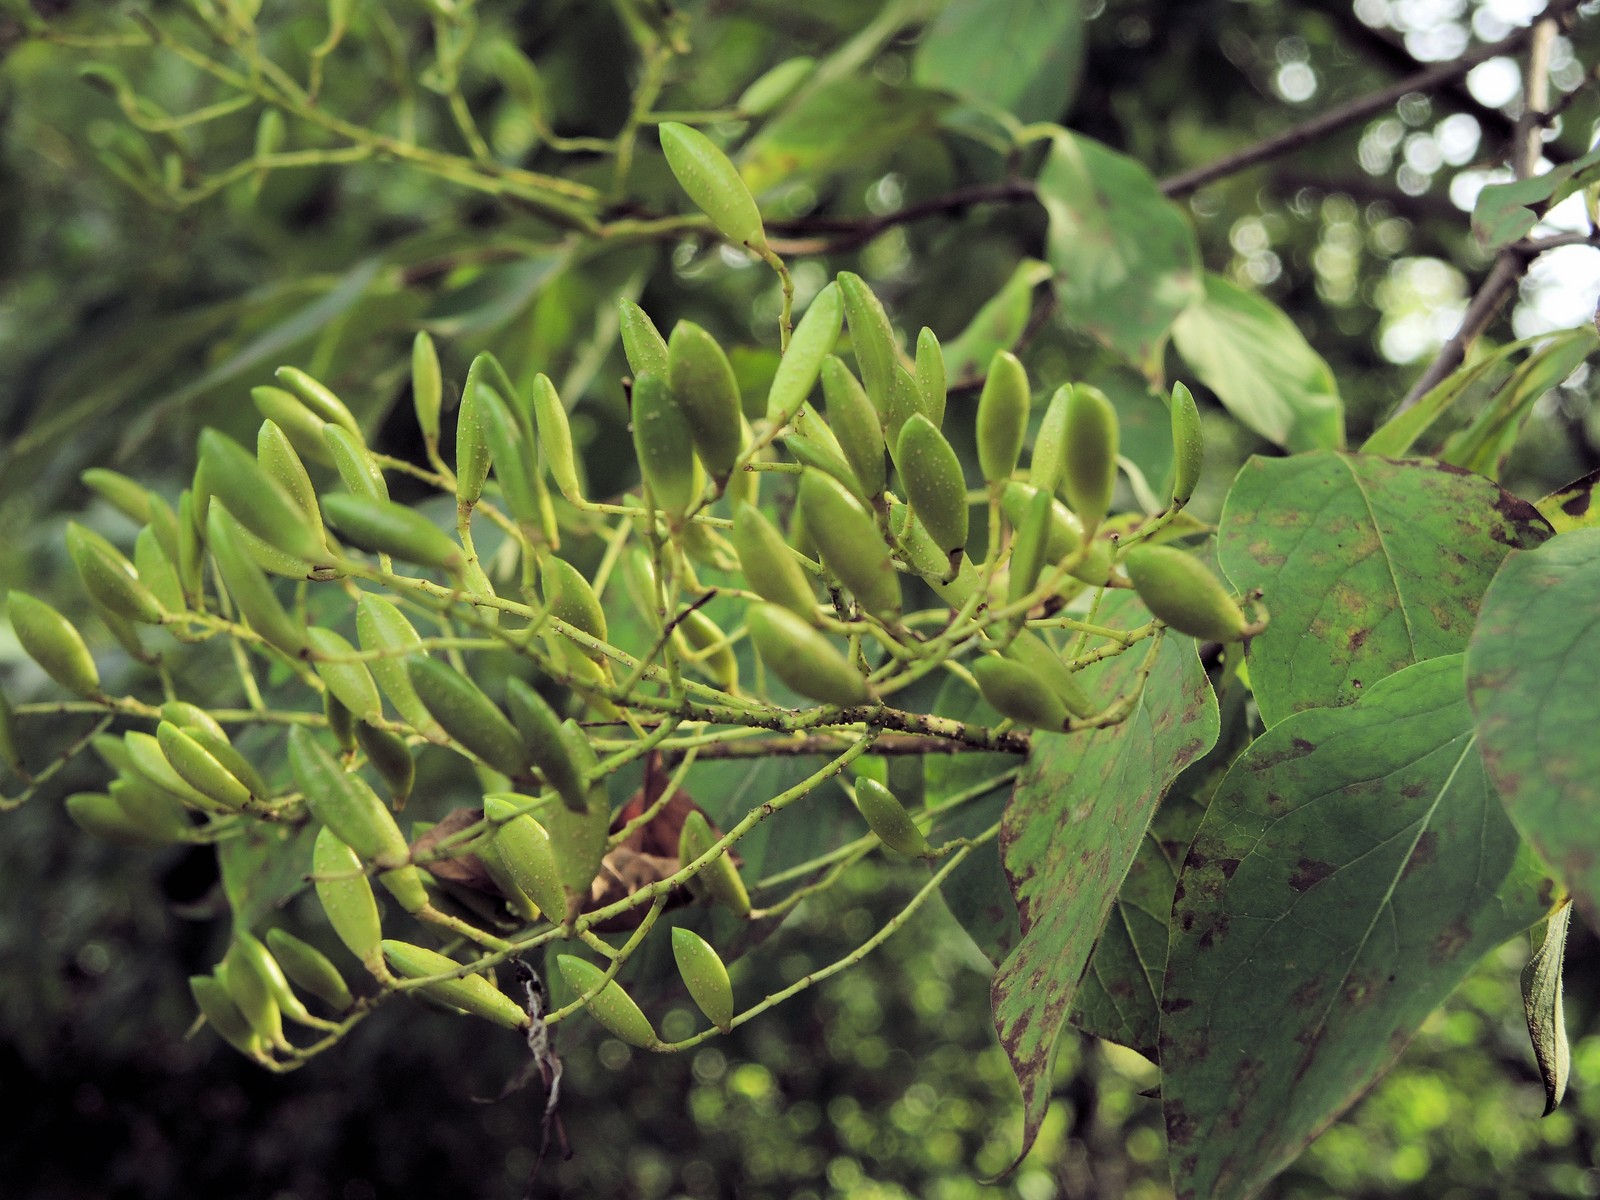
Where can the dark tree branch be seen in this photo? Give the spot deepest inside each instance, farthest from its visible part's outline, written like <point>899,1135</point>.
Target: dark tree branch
<point>854,232</point>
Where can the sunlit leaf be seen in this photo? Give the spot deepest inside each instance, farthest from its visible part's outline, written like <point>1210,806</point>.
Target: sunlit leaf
<point>1021,55</point>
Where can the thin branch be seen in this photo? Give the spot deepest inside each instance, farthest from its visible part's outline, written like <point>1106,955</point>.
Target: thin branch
<point>1330,122</point>
<point>821,744</point>
<point>854,232</point>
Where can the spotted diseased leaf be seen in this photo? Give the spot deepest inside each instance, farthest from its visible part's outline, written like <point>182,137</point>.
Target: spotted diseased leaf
<point>1126,259</point>
<point>1573,506</point>
<point>1075,822</point>
<point>1531,671</point>
<point>1368,565</point>
<point>1352,868</point>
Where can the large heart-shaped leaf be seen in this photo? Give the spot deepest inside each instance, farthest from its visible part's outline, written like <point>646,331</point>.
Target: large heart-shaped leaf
<point>1125,256</point>
<point>1076,820</point>
<point>1368,565</point>
<point>1247,350</point>
<point>1352,868</point>
<point>1531,671</point>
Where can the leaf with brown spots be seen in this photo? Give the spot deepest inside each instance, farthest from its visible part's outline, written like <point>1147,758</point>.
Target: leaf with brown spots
<point>1531,673</point>
<point>1368,565</point>
<point>1076,820</point>
<point>1371,868</point>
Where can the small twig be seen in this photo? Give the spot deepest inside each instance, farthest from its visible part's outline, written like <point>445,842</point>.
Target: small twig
<point>853,232</point>
<point>826,744</point>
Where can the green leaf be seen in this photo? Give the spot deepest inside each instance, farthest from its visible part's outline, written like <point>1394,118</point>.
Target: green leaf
<point>1368,565</point>
<point>1399,433</point>
<point>838,126</point>
<point>491,297</point>
<point>1247,350</point>
<point>1125,256</point>
<point>998,325</point>
<point>1076,820</point>
<point>1531,672</point>
<point>1541,1005</point>
<point>1025,56</point>
<point>1505,212</point>
<point>262,868</point>
<point>1572,507</point>
<point>1352,868</point>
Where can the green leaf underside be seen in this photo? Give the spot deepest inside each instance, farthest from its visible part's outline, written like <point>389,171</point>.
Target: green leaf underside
<point>1125,256</point>
<point>998,325</point>
<point>1024,56</point>
<point>1076,820</point>
<point>1504,211</point>
<point>1352,868</point>
<point>1247,350</point>
<point>844,123</point>
<point>1531,671</point>
<point>262,868</point>
<point>1368,565</point>
<point>1542,1007</point>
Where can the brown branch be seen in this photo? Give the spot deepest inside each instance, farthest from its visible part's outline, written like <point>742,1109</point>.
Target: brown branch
<point>822,744</point>
<point>854,232</point>
<point>1332,121</point>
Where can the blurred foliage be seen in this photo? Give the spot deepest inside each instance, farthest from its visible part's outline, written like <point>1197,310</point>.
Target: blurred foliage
<point>128,320</point>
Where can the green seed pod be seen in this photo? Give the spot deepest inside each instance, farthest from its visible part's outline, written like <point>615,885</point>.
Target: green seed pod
<point>252,994</point>
<point>156,571</point>
<point>555,437</point>
<point>346,896</point>
<point>703,387</point>
<point>51,641</point>
<point>197,767</point>
<point>346,805</point>
<point>871,337</point>
<point>705,975</point>
<point>157,813</point>
<point>189,717</point>
<point>809,452</point>
<point>1089,474</point>
<point>924,556</point>
<point>525,851</point>
<point>256,500</point>
<point>232,761</point>
<point>697,632</point>
<point>110,578</point>
<point>578,839</point>
<point>123,494</point>
<point>223,1015</point>
<point>300,425</point>
<point>713,183</point>
<point>931,375</point>
<point>101,816</point>
<point>1178,590</point>
<point>191,554</point>
<point>609,1005</point>
<point>380,625</point>
<point>888,818</point>
<point>570,597</point>
<point>1002,417</point>
<point>1188,446</point>
<point>850,543</point>
<point>904,403</point>
<point>251,592</point>
<point>341,722</point>
<point>769,566</point>
<point>318,398</point>
<point>717,881</point>
<point>511,449</point>
<point>1028,547</point>
<point>391,759</point>
<point>642,343</point>
<point>1050,446</point>
<point>472,439</point>
<point>150,763</point>
<point>10,747</point>
<point>250,950</point>
<point>471,993</point>
<point>273,560</point>
<point>1018,691</point>
<point>1034,652</point>
<point>279,459</point>
<point>931,473</point>
<point>309,969</point>
<point>1065,533</point>
<point>469,716</point>
<point>358,471</point>
<point>773,86</point>
<point>663,444</point>
<point>384,527</point>
<point>427,386</point>
<point>855,423</point>
<point>812,342</point>
<point>803,657</point>
<point>540,728</point>
<point>350,682</point>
